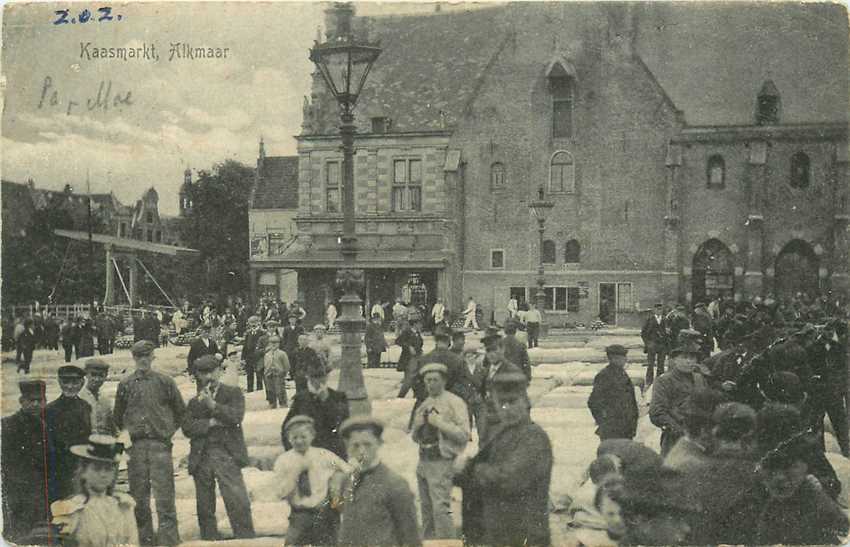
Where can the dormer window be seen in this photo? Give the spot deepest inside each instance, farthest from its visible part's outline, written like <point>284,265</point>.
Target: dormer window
<point>768,103</point>
<point>381,124</point>
<point>716,172</point>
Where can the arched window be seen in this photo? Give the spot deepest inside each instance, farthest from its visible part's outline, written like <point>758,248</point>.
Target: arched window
<point>768,104</point>
<point>548,252</point>
<point>800,170</point>
<point>562,173</point>
<point>497,176</point>
<point>716,172</point>
<point>572,252</point>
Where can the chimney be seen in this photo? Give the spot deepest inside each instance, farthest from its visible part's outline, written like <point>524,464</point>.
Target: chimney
<point>338,20</point>
<point>622,27</point>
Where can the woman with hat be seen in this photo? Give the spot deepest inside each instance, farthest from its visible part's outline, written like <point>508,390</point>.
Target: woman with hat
<point>98,515</point>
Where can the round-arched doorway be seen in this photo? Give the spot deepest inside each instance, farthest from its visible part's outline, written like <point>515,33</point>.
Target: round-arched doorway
<point>713,274</point>
<point>796,269</point>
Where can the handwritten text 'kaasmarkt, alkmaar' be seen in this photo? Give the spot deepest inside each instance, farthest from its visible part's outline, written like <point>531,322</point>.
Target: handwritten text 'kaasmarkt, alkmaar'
<point>178,51</point>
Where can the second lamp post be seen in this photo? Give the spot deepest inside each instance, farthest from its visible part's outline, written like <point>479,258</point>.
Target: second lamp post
<point>539,208</point>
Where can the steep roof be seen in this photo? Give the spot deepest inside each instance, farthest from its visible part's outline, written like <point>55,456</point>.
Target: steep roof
<point>429,70</point>
<point>277,184</point>
<point>713,58</point>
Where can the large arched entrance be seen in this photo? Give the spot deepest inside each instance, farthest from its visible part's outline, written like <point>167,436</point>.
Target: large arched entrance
<point>796,269</point>
<point>713,272</point>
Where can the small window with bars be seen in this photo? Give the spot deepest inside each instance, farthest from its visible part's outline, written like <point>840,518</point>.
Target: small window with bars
<point>625,302</point>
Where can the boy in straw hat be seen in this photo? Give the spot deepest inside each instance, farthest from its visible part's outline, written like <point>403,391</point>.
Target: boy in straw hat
<point>97,515</point>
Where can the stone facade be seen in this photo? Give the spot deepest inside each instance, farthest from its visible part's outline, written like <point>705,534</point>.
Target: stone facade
<point>575,98</point>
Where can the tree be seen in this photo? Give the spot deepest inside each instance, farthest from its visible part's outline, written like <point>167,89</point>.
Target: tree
<point>217,226</point>
<point>38,265</point>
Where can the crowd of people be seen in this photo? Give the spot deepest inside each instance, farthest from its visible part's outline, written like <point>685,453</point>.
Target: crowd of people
<point>742,454</point>
<point>741,459</point>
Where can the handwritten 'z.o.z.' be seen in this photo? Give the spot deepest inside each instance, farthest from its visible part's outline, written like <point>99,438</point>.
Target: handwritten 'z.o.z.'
<point>101,15</point>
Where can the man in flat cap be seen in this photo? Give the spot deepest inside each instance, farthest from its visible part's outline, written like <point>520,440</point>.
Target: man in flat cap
<point>692,449</point>
<point>149,405</point>
<point>494,362</point>
<point>612,401</point>
<point>671,390</point>
<point>200,346</point>
<point>213,423</point>
<point>328,408</point>
<point>23,460</point>
<point>441,428</point>
<point>506,484</point>
<point>68,423</point>
<point>102,420</point>
<point>379,507</point>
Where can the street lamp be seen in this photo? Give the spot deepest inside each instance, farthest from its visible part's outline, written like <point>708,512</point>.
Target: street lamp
<point>538,209</point>
<point>344,64</point>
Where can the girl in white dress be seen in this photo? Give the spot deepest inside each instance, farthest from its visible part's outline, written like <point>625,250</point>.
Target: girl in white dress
<point>97,516</point>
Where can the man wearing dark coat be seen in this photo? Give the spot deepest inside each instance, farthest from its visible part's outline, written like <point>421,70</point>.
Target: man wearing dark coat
<point>515,351</point>
<point>200,346</point>
<point>375,342</point>
<point>506,485</point>
<point>105,333</point>
<point>703,324</point>
<point>24,475</point>
<point>213,423</point>
<point>327,407</point>
<point>253,353</point>
<point>51,332</point>
<point>68,423</point>
<point>612,401</point>
<point>655,339</point>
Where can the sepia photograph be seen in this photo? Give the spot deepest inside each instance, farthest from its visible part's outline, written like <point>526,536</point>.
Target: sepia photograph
<point>372,273</point>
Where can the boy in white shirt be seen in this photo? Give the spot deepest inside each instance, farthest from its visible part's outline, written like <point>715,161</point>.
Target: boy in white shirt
<point>310,479</point>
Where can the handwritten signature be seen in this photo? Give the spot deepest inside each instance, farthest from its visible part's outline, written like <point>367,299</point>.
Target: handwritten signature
<point>64,17</point>
<point>104,100</point>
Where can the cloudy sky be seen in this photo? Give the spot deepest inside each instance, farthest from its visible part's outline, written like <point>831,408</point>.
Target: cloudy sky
<point>183,113</point>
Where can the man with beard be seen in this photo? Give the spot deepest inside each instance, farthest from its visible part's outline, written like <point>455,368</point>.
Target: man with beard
<point>506,484</point>
<point>23,464</point>
<point>213,423</point>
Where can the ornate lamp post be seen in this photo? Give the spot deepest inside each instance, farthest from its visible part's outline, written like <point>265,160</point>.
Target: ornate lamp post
<point>344,64</point>
<point>538,209</point>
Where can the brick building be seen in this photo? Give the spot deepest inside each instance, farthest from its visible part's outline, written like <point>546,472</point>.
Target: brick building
<point>686,156</point>
<point>271,225</point>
